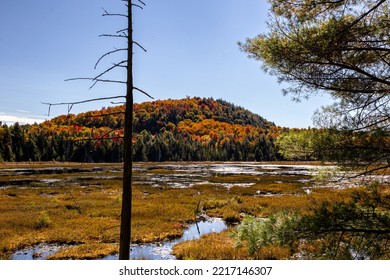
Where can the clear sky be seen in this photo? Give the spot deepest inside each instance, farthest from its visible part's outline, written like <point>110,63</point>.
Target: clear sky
<point>191,51</point>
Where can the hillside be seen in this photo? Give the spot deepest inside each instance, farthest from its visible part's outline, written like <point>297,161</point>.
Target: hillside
<point>179,130</point>
<point>155,115</point>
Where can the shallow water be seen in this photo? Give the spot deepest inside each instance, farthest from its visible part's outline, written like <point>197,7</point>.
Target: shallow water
<point>174,175</point>
<point>163,250</point>
<point>38,252</point>
<point>190,175</point>
<point>153,251</point>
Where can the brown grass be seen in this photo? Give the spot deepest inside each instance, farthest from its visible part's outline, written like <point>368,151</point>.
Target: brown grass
<point>81,209</point>
<point>86,252</point>
<point>210,247</point>
<point>220,246</point>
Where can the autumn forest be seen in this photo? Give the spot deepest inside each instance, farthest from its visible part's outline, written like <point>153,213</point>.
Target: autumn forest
<point>191,129</point>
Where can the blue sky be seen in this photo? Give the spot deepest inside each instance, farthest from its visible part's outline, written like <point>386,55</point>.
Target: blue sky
<point>191,51</point>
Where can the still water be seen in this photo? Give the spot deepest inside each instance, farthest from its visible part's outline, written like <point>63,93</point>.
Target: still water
<point>153,251</point>
<point>163,251</point>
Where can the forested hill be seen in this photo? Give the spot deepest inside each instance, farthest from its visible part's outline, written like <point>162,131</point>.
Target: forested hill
<point>156,115</point>
<point>168,130</point>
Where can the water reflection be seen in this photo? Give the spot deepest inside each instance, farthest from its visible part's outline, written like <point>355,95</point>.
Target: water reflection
<point>154,251</point>
<point>163,251</point>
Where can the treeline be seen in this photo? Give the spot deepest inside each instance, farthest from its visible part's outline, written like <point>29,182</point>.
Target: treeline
<point>191,129</point>
<point>168,146</point>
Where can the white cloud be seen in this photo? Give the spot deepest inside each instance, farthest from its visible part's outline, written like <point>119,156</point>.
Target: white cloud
<point>11,119</point>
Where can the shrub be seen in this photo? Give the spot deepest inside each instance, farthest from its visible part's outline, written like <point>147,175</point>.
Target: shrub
<point>257,233</point>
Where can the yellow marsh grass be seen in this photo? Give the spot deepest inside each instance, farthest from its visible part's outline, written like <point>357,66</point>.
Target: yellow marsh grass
<point>89,213</point>
<point>210,247</point>
<point>86,252</point>
<point>77,215</point>
<point>220,246</point>
<point>86,211</point>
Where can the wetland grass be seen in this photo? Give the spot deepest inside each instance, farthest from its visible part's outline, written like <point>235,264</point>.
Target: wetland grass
<point>86,252</point>
<point>29,218</point>
<point>78,209</point>
<point>221,246</point>
<point>83,208</point>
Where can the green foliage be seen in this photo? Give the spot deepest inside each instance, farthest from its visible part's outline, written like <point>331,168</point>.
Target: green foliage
<point>338,47</point>
<point>363,150</point>
<point>345,229</point>
<point>257,233</point>
<point>297,145</point>
<point>251,231</point>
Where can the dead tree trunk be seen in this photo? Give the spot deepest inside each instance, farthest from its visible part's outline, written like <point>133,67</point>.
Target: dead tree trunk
<point>125,231</point>
<point>125,228</point>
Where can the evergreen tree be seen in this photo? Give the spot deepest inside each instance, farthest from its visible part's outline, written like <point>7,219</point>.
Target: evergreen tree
<point>338,47</point>
<point>8,154</point>
<point>17,141</point>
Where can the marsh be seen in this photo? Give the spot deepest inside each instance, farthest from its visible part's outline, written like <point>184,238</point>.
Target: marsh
<point>79,204</point>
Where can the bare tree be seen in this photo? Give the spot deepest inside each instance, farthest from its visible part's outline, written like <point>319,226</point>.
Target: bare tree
<point>126,33</point>
<point>125,233</point>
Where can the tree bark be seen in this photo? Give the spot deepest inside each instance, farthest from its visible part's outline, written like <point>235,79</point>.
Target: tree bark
<point>125,232</point>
